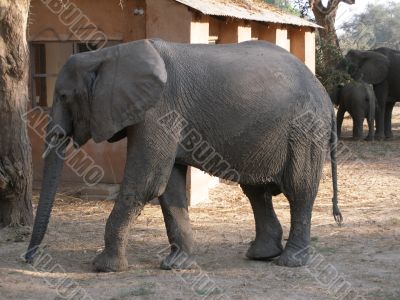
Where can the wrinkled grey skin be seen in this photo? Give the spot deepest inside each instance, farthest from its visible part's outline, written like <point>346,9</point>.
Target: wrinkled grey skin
<point>247,101</point>
<point>380,67</point>
<point>357,98</point>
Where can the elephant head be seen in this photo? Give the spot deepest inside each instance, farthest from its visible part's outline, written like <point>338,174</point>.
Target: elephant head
<point>369,66</point>
<point>97,95</point>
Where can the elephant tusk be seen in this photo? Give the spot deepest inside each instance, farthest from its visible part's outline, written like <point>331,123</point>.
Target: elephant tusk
<point>47,151</point>
<point>50,146</point>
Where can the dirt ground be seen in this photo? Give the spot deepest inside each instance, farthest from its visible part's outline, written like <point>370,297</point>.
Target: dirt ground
<point>359,260</point>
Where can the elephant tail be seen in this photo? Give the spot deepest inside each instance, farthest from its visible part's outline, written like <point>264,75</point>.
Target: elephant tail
<point>333,149</point>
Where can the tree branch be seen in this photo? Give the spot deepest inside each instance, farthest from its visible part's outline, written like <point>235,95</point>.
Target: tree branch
<point>331,6</point>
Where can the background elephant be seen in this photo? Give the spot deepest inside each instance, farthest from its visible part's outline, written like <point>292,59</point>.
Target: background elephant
<point>357,98</point>
<point>240,112</point>
<point>380,67</point>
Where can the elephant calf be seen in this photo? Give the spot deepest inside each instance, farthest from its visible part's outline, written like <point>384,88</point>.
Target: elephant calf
<point>357,98</point>
<point>251,113</point>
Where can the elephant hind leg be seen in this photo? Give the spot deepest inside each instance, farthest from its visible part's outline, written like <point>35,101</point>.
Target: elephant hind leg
<point>174,205</point>
<point>268,241</point>
<point>358,128</point>
<point>301,182</point>
<point>296,251</point>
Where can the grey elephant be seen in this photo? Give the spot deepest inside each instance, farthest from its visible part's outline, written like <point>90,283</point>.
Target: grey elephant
<point>380,67</point>
<point>357,98</point>
<point>250,113</point>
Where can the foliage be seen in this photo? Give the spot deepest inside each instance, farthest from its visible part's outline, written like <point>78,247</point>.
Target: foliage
<point>330,77</point>
<point>286,5</point>
<point>300,8</point>
<point>331,67</point>
<point>303,7</point>
<point>377,26</point>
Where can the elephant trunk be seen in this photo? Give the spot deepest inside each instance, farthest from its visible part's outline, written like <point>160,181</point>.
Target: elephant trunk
<point>53,166</point>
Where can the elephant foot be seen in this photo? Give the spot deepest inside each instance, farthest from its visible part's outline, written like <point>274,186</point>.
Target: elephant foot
<point>369,138</point>
<point>293,258</point>
<point>389,137</point>
<point>261,250</point>
<point>106,263</point>
<point>379,137</point>
<point>177,260</point>
<point>357,138</point>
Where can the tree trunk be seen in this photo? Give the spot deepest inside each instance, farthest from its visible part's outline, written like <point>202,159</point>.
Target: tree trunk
<point>329,41</point>
<point>325,16</point>
<point>15,149</point>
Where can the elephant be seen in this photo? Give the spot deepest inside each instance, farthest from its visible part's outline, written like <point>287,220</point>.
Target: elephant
<point>251,113</point>
<point>380,67</point>
<point>357,98</point>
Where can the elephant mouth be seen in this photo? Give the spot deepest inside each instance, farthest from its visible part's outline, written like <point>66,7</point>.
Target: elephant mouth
<point>79,140</point>
<point>77,136</point>
<point>80,133</point>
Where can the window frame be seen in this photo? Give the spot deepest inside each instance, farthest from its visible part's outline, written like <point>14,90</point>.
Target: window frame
<point>32,64</point>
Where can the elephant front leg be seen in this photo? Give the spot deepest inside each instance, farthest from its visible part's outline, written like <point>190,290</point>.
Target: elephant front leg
<point>174,205</point>
<point>380,117</point>
<point>371,129</point>
<point>126,210</point>
<point>147,172</point>
<point>381,92</point>
<point>388,119</point>
<point>268,242</point>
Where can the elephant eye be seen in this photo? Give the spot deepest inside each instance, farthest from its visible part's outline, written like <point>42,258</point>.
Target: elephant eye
<point>63,97</point>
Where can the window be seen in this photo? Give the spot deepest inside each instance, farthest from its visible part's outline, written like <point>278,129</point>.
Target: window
<point>39,81</point>
<point>85,47</point>
<point>47,59</point>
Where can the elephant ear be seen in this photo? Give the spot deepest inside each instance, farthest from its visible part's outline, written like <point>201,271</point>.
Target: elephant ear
<point>128,82</point>
<point>373,68</point>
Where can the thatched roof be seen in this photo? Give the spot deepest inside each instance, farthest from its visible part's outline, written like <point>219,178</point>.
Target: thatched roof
<point>255,10</point>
